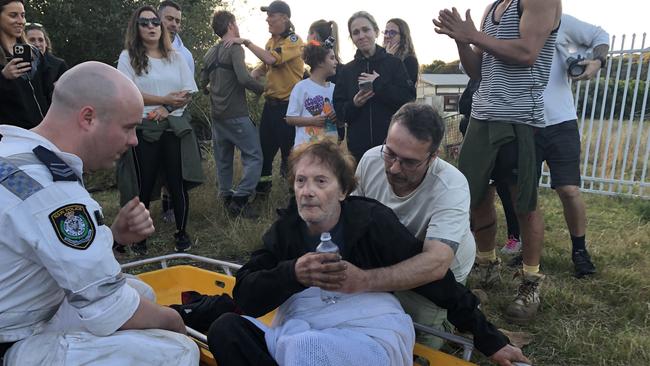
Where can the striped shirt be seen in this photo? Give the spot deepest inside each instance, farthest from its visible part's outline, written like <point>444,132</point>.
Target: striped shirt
<point>512,93</point>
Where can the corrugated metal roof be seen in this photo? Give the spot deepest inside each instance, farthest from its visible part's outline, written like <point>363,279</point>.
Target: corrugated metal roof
<point>445,79</point>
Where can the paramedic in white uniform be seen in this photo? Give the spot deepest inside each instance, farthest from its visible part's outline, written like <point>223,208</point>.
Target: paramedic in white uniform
<point>55,247</point>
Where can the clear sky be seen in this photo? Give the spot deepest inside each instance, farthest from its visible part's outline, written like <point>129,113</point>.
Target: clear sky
<point>617,17</point>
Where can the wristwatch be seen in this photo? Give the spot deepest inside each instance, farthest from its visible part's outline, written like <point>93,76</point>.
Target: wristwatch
<point>168,108</point>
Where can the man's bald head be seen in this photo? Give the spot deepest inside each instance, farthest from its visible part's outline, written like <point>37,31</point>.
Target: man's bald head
<point>94,114</point>
<point>97,85</point>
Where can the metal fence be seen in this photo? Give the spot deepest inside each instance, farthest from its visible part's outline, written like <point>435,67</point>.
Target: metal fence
<point>612,111</point>
<point>614,121</point>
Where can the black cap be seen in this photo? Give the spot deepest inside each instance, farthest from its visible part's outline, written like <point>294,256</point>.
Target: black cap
<point>277,6</point>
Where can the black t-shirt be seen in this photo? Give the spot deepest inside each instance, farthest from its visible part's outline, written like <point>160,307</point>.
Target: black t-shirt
<point>312,241</point>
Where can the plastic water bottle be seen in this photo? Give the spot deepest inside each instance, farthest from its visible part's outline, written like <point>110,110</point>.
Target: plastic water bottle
<point>327,246</point>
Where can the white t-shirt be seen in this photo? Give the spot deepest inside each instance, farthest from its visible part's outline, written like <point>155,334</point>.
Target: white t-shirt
<point>574,37</point>
<point>437,209</point>
<point>308,99</point>
<point>162,78</point>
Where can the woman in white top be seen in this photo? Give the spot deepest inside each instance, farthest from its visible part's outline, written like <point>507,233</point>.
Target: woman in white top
<point>310,103</point>
<point>166,84</point>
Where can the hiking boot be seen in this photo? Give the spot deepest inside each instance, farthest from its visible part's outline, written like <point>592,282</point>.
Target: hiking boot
<point>239,206</point>
<point>525,305</point>
<point>183,242</point>
<point>140,248</point>
<point>225,198</point>
<point>486,274</point>
<point>512,246</point>
<point>582,263</point>
<point>516,261</point>
<point>263,188</point>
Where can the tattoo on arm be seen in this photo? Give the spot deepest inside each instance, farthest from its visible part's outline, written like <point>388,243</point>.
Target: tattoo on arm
<point>452,244</point>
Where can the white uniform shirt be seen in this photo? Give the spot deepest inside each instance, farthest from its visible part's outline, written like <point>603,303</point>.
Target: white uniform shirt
<point>163,77</point>
<point>178,45</point>
<point>574,37</point>
<point>438,208</point>
<point>52,246</point>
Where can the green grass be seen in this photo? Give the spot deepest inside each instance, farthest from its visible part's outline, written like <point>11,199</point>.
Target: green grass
<point>603,320</point>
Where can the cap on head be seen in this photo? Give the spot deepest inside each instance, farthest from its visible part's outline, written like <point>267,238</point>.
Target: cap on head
<point>277,6</point>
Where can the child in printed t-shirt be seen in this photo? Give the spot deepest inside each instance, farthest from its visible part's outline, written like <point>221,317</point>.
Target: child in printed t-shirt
<point>310,104</point>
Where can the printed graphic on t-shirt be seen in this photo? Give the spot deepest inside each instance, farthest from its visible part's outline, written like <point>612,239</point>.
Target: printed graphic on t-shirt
<point>310,99</point>
<point>316,106</point>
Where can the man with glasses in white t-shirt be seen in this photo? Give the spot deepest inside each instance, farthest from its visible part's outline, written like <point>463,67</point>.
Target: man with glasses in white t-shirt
<point>428,195</point>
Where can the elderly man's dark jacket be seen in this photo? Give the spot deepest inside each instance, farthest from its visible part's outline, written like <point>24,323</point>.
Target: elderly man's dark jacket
<point>373,237</point>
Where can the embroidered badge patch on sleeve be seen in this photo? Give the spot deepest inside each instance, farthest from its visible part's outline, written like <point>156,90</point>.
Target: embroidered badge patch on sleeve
<point>73,226</point>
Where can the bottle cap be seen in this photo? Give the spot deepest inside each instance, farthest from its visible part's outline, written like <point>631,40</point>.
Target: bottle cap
<point>325,236</point>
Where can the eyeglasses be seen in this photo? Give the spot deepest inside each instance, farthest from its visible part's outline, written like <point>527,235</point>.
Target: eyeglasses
<point>390,33</point>
<point>145,22</point>
<point>406,164</point>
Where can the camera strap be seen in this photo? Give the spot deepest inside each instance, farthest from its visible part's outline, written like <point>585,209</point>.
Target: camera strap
<point>216,64</point>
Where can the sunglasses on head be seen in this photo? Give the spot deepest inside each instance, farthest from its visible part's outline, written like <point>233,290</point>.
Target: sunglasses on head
<point>391,33</point>
<point>34,25</point>
<point>144,22</point>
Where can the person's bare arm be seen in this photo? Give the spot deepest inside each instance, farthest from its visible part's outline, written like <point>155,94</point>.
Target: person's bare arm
<point>317,121</point>
<point>592,66</point>
<point>264,55</point>
<point>175,99</point>
<point>150,315</point>
<point>430,265</point>
<point>539,18</point>
<point>470,56</point>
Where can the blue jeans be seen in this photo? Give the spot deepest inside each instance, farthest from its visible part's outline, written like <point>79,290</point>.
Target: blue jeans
<point>241,133</point>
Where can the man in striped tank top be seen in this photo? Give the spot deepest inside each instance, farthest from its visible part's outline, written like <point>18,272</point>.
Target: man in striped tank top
<point>512,55</point>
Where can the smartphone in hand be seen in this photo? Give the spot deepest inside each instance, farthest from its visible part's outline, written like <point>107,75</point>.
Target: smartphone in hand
<point>23,52</point>
<point>365,85</point>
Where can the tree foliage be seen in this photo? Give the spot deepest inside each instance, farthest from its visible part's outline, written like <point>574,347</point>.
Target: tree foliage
<point>94,29</point>
<point>441,67</point>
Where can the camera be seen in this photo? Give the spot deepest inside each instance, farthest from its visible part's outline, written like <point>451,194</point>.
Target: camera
<point>573,66</point>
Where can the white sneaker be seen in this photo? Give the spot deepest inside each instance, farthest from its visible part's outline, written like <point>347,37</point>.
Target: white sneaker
<point>512,246</point>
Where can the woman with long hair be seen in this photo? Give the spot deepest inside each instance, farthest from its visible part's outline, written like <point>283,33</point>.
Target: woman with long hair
<point>370,88</point>
<point>398,42</point>
<point>166,142</point>
<point>24,85</point>
<point>37,36</point>
<point>321,30</point>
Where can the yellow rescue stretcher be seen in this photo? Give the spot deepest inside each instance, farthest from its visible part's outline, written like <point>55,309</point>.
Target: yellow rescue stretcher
<point>169,281</point>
